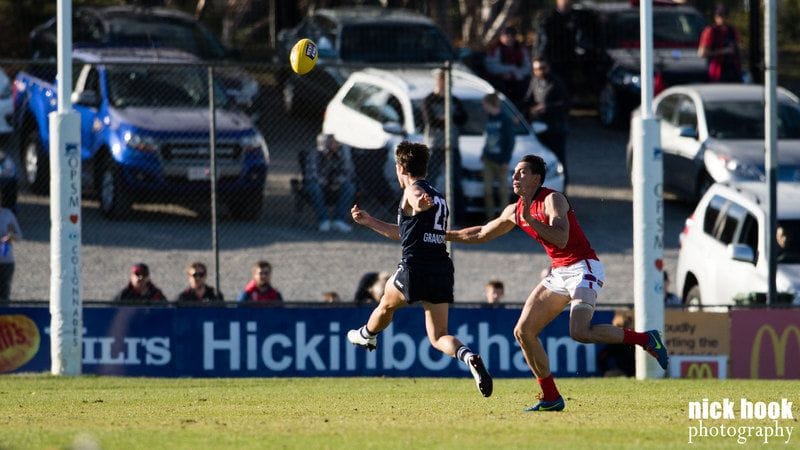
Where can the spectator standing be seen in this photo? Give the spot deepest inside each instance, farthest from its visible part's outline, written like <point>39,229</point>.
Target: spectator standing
<point>198,291</point>
<point>329,171</point>
<point>508,65</point>
<point>670,299</point>
<point>259,289</point>
<point>548,102</point>
<point>496,152</point>
<point>8,222</point>
<point>571,42</point>
<point>434,119</point>
<point>140,288</point>
<point>719,44</point>
<point>494,291</point>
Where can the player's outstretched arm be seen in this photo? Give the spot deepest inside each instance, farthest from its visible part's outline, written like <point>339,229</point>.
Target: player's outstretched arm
<point>362,217</point>
<point>494,229</point>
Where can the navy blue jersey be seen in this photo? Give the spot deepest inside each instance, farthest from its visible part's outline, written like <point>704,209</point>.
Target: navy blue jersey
<point>422,235</point>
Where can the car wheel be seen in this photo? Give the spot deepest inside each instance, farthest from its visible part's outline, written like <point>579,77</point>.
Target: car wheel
<point>692,299</point>
<point>36,164</point>
<point>608,107</point>
<point>114,199</point>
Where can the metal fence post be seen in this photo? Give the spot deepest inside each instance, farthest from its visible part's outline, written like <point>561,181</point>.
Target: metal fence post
<point>212,150</point>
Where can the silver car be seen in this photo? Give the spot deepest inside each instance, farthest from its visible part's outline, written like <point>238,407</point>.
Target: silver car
<point>715,133</point>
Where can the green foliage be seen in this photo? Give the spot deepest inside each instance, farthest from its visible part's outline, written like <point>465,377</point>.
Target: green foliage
<point>131,413</point>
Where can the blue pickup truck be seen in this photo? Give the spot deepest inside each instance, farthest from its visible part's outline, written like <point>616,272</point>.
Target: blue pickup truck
<point>144,132</point>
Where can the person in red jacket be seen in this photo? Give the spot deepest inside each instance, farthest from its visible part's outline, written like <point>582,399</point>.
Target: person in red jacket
<point>719,44</point>
<point>575,279</point>
<point>259,288</point>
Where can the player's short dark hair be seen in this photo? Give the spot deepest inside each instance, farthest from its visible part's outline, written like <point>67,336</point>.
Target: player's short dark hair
<point>536,164</point>
<point>413,157</point>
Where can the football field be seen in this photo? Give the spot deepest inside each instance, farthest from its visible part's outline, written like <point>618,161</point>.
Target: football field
<point>40,411</point>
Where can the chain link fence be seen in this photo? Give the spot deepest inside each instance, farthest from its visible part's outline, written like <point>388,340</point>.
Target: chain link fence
<point>147,170</point>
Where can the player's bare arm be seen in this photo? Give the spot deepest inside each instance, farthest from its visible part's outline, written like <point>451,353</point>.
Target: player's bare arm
<point>361,217</point>
<point>493,229</point>
<point>556,229</point>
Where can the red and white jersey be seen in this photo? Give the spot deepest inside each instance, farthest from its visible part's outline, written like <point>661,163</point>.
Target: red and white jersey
<point>577,248</point>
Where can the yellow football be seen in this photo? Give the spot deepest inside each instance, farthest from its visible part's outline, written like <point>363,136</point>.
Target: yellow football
<point>303,56</point>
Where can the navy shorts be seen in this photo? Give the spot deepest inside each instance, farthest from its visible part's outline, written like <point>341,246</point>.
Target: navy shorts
<point>428,282</point>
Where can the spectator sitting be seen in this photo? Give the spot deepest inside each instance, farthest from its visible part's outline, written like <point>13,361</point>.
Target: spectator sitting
<point>509,66</point>
<point>198,291</point>
<point>370,288</point>
<point>494,291</point>
<point>496,153</point>
<point>140,288</point>
<point>259,288</point>
<point>330,170</point>
<point>330,297</point>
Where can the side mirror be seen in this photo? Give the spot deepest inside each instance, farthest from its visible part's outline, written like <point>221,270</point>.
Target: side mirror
<point>741,252</point>
<point>86,98</point>
<point>393,128</point>
<point>690,132</point>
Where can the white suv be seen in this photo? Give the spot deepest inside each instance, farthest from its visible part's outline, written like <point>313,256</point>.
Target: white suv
<point>376,109</point>
<point>722,254</point>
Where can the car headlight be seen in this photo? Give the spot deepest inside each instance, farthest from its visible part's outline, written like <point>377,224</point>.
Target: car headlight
<point>742,170</point>
<point>140,142</point>
<point>255,143</point>
<point>632,79</point>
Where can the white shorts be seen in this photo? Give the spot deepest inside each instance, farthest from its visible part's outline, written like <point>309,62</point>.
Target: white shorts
<point>584,274</point>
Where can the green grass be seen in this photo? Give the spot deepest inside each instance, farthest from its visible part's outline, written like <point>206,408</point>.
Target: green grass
<point>41,411</point>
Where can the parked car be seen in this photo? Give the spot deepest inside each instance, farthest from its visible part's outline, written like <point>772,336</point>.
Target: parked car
<point>723,246</point>
<point>715,133</point>
<point>375,109</point>
<point>363,35</point>
<point>144,132</point>
<point>676,35</point>
<point>155,27</point>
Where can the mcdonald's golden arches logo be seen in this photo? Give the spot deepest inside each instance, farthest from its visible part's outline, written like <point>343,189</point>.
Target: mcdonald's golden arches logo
<point>779,343</point>
<point>699,369</point>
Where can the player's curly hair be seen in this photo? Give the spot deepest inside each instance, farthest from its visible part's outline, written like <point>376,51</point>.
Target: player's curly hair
<point>413,157</point>
<point>536,164</point>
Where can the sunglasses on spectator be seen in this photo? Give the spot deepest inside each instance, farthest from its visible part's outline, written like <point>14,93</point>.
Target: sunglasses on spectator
<point>197,275</point>
<point>265,272</point>
<point>140,275</point>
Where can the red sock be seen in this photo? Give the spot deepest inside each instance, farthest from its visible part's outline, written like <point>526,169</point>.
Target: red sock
<point>549,389</point>
<point>634,337</point>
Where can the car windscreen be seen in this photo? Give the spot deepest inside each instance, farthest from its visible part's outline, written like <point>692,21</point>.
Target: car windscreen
<point>745,120</point>
<point>161,86</point>
<point>138,31</point>
<point>671,29</point>
<point>789,253</point>
<point>394,43</point>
